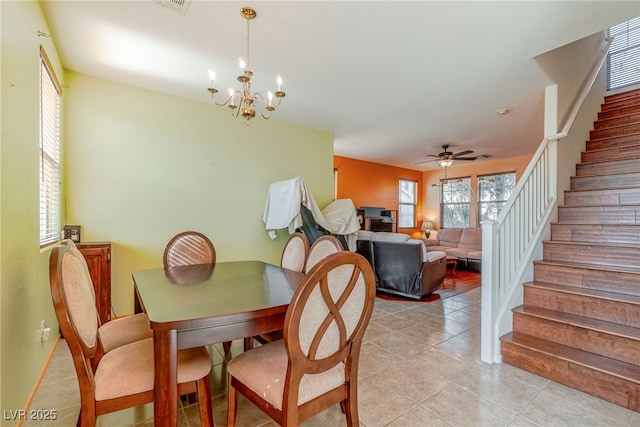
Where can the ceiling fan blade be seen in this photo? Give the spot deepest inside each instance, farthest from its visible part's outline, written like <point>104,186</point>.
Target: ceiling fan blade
<point>463,153</point>
<point>426,161</point>
<point>465,158</point>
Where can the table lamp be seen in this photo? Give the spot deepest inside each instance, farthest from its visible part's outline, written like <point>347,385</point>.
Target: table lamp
<point>426,227</point>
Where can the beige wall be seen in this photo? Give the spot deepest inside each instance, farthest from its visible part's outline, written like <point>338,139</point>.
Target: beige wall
<point>24,278</point>
<point>143,166</point>
<point>471,170</point>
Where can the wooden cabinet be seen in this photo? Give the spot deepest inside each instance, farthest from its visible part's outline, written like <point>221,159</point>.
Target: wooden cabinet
<point>98,256</point>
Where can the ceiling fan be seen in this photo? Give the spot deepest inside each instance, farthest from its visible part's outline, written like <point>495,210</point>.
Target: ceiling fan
<point>446,158</point>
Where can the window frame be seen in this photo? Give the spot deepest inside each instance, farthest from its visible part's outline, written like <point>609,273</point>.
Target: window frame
<point>500,202</point>
<point>443,186</point>
<point>623,58</point>
<point>49,163</point>
<point>413,204</point>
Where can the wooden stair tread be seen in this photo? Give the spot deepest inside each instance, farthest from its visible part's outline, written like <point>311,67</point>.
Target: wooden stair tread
<point>606,295</point>
<point>581,321</point>
<point>608,245</point>
<point>600,205</point>
<point>631,158</point>
<point>605,138</point>
<point>623,370</point>
<point>613,269</point>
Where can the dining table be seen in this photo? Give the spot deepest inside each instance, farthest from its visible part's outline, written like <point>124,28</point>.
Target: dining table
<point>195,305</point>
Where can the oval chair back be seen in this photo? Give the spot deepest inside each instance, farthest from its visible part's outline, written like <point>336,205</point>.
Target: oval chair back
<point>294,254</point>
<point>189,248</point>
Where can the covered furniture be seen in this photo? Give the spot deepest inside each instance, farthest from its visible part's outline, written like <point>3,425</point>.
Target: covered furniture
<point>315,366</point>
<point>283,209</point>
<point>402,265</point>
<point>465,244</point>
<point>123,377</point>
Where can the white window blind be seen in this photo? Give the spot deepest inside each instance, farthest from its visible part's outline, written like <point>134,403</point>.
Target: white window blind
<point>407,203</point>
<point>623,59</point>
<point>50,99</point>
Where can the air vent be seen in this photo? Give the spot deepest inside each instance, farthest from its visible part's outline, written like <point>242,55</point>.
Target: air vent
<point>176,5</point>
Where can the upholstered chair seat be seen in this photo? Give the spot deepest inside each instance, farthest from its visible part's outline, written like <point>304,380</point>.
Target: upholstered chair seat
<point>128,369</point>
<point>265,368</point>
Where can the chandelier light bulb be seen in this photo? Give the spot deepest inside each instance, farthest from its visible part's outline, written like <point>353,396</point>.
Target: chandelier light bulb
<point>279,81</point>
<point>212,74</point>
<point>242,63</point>
<point>270,97</point>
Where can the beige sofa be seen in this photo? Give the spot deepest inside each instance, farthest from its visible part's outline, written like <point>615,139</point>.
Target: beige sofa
<point>462,243</point>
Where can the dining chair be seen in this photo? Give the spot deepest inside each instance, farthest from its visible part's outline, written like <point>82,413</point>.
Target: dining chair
<point>323,246</point>
<point>123,377</point>
<point>294,257</point>
<point>294,254</point>
<point>191,248</point>
<point>118,331</point>
<point>315,366</point>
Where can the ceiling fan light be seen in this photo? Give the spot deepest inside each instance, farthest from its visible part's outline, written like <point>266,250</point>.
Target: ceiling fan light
<point>445,163</point>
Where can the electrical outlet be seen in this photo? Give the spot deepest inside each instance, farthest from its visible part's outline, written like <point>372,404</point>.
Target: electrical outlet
<point>44,331</point>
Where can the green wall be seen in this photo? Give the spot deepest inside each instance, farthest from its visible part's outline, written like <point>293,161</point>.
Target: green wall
<point>142,166</point>
<point>24,278</point>
<point>139,167</point>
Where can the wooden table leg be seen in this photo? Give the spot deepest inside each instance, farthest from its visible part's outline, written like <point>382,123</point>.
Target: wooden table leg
<point>165,409</point>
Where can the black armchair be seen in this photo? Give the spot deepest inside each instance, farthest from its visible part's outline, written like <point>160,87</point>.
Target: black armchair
<point>401,268</point>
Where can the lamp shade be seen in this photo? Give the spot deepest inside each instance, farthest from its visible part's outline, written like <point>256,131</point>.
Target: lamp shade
<point>427,225</point>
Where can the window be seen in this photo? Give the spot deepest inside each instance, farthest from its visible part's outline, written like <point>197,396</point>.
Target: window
<point>493,193</point>
<point>623,59</point>
<point>407,202</point>
<point>456,196</point>
<point>50,99</point>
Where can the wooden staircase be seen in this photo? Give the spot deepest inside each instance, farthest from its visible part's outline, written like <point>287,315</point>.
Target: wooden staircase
<point>580,321</point>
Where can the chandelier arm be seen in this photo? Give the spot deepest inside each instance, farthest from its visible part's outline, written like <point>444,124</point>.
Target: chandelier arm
<point>225,102</point>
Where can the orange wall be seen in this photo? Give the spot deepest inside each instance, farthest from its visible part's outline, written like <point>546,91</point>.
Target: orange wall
<point>375,184</point>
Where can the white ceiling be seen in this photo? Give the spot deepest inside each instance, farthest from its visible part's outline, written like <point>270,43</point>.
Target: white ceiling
<point>393,81</point>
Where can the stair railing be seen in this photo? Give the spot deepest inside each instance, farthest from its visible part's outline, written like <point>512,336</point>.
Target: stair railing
<point>511,243</point>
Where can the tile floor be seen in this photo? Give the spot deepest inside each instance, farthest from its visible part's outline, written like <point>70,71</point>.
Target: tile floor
<point>420,366</point>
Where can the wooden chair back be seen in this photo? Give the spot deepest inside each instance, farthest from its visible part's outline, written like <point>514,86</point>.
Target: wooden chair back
<point>294,254</point>
<point>189,248</point>
<point>321,248</point>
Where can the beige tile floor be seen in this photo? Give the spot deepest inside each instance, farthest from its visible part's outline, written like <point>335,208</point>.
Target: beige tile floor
<point>420,366</point>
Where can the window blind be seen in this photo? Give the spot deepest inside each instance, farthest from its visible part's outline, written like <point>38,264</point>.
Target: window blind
<point>50,100</point>
<point>623,59</point>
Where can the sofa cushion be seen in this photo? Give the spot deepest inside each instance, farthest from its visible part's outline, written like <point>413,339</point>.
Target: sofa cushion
<point>449,237</point>
<point>461,253</point>
<point>471,238</point>
<point>477,255</point>
<point>434,255</point>
<point>385,236</point>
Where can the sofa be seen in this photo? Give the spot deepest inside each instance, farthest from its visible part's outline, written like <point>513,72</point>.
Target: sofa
<point>402,265</point>
<point>463,243</point>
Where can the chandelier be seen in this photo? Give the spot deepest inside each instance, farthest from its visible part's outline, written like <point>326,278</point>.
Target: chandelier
<point>243,102</point>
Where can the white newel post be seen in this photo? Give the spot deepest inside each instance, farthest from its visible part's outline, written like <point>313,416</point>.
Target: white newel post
<point>489,342</point>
